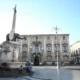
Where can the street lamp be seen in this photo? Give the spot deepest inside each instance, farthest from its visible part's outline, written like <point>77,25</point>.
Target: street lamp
<point>56,30</point>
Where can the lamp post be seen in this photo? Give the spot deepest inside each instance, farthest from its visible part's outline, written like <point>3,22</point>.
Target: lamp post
<point>56,30</point>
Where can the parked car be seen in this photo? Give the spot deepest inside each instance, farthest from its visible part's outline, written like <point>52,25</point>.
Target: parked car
<point>4,66</point>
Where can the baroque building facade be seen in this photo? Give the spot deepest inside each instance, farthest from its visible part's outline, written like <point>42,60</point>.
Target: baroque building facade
<point>75,52</point>
<point>41,48</point>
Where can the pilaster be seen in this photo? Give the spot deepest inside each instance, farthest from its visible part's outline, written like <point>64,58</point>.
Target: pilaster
<point>52,50</point>
<point>29,52</point>
<point>44,54</point>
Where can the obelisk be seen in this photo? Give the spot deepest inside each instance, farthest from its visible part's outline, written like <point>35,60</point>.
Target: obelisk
<point>11,34</point>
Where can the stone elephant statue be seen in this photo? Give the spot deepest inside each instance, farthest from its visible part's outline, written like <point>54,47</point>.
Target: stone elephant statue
<point>16,36</point>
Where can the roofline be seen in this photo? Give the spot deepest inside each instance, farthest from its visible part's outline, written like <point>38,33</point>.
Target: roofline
<point>75,43</point>
<point>45,34</point>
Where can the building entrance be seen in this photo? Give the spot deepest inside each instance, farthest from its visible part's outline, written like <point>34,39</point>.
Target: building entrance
<point>36,60</point>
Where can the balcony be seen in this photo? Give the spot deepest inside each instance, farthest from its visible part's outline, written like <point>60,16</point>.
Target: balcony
<point>37,51</point>
<point>36,42</point>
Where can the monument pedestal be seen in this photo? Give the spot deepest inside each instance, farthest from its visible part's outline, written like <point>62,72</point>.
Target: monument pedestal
<point>10,54</point>
<point>15,52</point>
<point>16,64</point>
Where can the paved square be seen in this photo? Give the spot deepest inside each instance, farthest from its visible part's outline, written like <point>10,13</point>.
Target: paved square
<point>49,73</point>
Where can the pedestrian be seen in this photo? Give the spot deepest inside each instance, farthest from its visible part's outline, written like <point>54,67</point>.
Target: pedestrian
<point>21,69</point>
<point>29,68</point>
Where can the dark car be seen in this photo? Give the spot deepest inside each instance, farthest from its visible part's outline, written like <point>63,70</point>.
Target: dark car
<point>4,66</point>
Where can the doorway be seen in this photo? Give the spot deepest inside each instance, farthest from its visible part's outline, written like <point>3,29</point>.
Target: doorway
<point>36,60</point>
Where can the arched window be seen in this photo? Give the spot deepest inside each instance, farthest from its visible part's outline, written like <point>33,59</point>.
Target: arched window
<point>65,47</point>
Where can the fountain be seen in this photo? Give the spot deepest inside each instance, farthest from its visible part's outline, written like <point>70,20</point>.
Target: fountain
<point>10,47</point>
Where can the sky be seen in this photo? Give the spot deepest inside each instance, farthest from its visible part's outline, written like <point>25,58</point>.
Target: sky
<point>40,16</point>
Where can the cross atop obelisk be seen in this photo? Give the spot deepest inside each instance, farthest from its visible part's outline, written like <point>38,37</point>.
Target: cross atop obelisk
<point>11,34</point>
